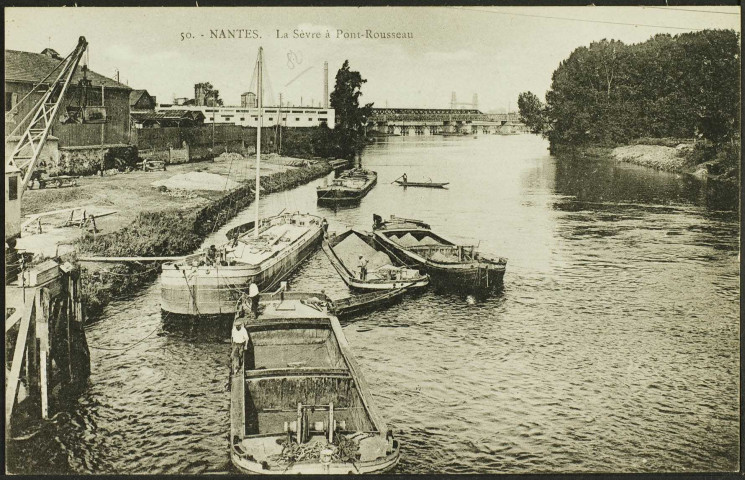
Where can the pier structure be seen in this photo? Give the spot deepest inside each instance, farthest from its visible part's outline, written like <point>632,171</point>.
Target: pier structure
<point>47,353</point>
<point>430,121</point>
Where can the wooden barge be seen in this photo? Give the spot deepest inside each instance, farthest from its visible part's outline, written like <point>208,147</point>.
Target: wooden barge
<point>299,403</point>
<point>195,287</point>
<point>350,187</point>
<point>344,250</point>
<point>456,266</point>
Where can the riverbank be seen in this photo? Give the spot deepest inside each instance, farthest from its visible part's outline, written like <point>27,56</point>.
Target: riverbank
<point>156,221</point>
<point>671,155</point>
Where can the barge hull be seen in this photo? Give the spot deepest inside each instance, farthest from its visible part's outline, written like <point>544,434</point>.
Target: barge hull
<point>219,288</point>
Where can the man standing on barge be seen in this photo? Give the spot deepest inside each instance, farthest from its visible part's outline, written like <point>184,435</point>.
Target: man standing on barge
<point>240,339</point>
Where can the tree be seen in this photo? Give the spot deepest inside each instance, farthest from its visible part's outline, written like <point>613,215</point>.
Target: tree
<point>532,112</point>
<point>350,117</point>
<point>211,95</point>
<point>608,93</point>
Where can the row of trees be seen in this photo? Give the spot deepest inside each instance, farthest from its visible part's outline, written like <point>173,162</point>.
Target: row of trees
<point>686,86</point>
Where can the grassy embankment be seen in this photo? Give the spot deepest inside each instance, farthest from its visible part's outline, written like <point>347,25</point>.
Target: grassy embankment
<point>170,232</point>
<point>678,155</point>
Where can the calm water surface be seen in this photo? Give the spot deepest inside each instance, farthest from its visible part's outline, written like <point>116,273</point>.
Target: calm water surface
<point>614,346</point>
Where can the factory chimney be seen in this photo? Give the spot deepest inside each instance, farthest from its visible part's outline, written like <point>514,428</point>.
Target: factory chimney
<point>452,101</point>
<point>475,101</point>
<point>325,84</point>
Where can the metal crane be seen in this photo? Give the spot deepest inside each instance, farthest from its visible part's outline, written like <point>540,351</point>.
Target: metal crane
<point>42,116</point>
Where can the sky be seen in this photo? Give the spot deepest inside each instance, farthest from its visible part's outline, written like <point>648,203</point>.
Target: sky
<point>495,52</point>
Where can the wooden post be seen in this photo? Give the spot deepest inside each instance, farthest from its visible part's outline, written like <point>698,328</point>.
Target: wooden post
<point>67,308</point>
<point>42,333</point>
<point>15,367</point>
<point>331,422</point>
<point>103,125</point>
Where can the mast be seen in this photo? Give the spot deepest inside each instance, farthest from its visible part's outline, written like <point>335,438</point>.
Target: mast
<point>260,101</point>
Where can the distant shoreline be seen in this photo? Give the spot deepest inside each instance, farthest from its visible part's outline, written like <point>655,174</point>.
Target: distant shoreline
<point>667,155</point>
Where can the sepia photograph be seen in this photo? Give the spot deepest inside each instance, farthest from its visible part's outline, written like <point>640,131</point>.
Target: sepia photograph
<point>472,239</point>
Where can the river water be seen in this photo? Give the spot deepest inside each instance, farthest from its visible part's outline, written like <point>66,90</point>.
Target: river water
<point>614,346</point>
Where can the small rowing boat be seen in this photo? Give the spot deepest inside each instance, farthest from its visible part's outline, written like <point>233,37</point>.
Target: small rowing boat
<point>299,403</point>
<point>429,184</point>
<point>344,252</point>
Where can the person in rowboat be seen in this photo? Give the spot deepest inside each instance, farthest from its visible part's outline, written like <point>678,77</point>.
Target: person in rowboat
<point>403,177</point>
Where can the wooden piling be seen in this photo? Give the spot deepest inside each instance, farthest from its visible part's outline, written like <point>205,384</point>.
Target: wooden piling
<point>52,297</point>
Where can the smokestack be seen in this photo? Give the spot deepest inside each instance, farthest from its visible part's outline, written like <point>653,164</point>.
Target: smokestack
<point>475,101</point>
<point>326,84</point>
<point>452,101</point>
<point>199,95</point>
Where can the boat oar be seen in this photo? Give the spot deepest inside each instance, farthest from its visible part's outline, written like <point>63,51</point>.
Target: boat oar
<point>396,179</point>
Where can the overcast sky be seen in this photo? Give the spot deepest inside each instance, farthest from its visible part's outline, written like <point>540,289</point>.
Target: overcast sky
<point>494,52</point>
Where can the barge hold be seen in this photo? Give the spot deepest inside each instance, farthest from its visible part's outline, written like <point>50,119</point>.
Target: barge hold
<point>299,403</point>
<point>350,187</point>
<point>457,266</point>
<point>345,251</point>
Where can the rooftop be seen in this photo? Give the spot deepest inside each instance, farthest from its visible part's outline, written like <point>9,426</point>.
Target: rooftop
<point>33,67</point>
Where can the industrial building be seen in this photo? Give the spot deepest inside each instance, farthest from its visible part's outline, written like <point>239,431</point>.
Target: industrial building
<point>249,117</point>
<point>24,70</point>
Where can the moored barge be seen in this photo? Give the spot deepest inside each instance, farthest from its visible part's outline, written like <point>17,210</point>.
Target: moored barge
<point>460,267</point>
<point>299,403</point>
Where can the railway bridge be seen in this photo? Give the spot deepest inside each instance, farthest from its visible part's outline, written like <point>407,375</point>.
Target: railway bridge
<point>432,121</point>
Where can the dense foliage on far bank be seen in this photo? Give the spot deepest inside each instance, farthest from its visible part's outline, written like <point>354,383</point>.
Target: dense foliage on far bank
<point>610,93</point>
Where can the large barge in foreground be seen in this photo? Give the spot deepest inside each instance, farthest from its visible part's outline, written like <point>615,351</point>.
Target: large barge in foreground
<point>299,403</point>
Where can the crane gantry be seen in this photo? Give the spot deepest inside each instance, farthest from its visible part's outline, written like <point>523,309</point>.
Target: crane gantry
<point>40,119</point>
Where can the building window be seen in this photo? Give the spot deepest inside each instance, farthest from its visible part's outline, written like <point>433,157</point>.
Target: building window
<point>271,118</point>
<point>11,99</point>
<point>322,119</point>
<point>13,188</point>
<point>310,119</point>
<point>297,119</point>
<point>243,119</point>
